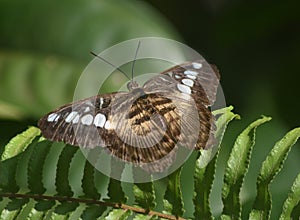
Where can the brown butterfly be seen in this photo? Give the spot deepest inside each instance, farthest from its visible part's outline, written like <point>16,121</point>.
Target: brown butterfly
<point>145,124</point>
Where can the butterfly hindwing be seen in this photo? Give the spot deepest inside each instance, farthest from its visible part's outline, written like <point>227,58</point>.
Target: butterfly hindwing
<point>190,85</point>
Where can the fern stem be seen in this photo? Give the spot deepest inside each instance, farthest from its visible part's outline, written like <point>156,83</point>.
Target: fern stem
<point>91,201</point>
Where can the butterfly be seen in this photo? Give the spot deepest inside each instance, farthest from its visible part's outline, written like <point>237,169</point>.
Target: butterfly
<point>146,124</point>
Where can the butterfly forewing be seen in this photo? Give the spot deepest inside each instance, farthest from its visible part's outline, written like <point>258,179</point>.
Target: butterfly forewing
<point>198,79</point>
<point>81,123</point>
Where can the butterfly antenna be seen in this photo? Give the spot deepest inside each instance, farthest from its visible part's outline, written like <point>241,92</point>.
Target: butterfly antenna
<point>135,56</point>
<point>101,58</point>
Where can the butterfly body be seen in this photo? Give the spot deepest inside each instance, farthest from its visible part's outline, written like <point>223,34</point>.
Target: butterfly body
<point>145,124</point>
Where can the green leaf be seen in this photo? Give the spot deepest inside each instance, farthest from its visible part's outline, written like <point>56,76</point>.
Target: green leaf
<point>65,208</point>
<point>35,214</point>
<point>62,171</point>
<point>115,191</point>
<point>93,212</point>
<point>33,75</point>
<point>35,167</point>
<point>76,27</point>
<point>55,216</point>
<point>203,180</point>
<point>88,182</point>
<point>13,209</point>
<point>296,212</point>
<point>119,214</point>
<point>19,143</point>
<point>173,195</point>
<point>204,175</point>
<point>292,201</point>
<point>225,115</point>
<point>237,167</point>
<point>144,192</point>
<point>144,217</point>
<point>65,205</point>
<point>8,176</point>
<point>270,168</point>
<point>41,209</point>
<point>13,171</point>
<point>144,195</point>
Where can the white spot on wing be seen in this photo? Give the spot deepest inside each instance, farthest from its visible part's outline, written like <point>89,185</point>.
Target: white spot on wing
<point>197,65</point>
<point>87,119</point>
<point>191,72</point>
<point>108,125</point>
<point>87,109</point>
<point>52,117</point>
<point>191,77</point>
<point>101,103</point>
<point>56,119</point>
<point>188,82</point>
<point>184,88</point>
<point>99,120</point>
<point>71,116</point>
<point>177,76</point>
<point>76,119</point>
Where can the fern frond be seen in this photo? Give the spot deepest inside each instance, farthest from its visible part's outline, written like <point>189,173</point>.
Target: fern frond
<point>270,168</point>
<point>204,175</point>
<point>237,167</point>
<point>77,190</point>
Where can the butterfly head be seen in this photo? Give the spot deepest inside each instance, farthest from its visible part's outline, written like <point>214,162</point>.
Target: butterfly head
<point>132,85</point>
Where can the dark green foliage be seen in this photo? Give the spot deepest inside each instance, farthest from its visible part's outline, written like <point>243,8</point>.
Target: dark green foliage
<point>62,183</point>
<point>173,196</point>
<point>34,202</point>
<point>115,191</point>
<point>35,173</point>
<point>88,184</point>
<point>93,212</point>
<point>144,195</point>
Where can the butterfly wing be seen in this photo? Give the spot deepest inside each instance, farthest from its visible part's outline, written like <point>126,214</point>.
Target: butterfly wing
<point>83,123</point>
<point>192,87</point>
<point>198,79</point>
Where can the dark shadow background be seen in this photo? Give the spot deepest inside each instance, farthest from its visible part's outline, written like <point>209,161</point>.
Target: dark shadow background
<point>255,44</point>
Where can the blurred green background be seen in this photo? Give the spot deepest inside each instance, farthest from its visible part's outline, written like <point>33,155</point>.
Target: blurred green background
<point>45,45</point>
